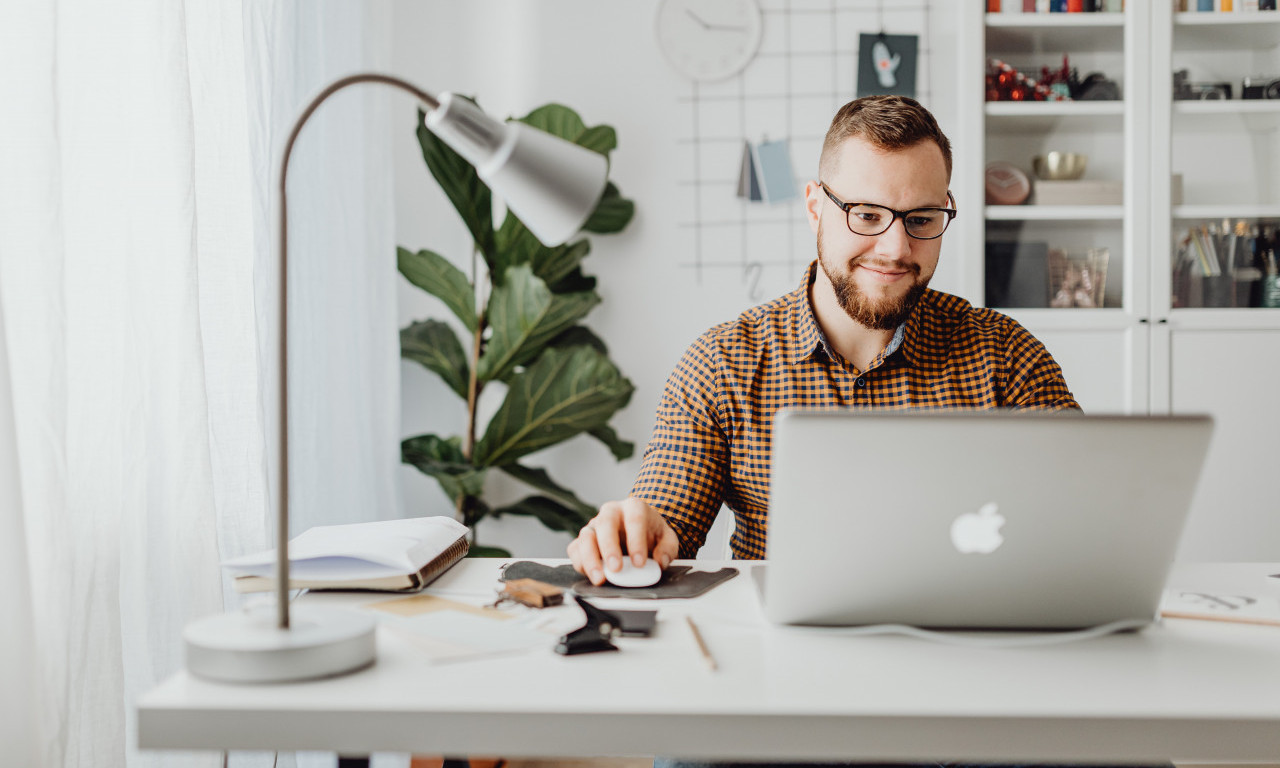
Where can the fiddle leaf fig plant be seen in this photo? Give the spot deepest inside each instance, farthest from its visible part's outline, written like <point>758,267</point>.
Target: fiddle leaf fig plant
<point>524,333</point>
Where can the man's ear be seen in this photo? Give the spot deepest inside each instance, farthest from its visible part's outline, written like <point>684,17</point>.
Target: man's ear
<point>814,198</point>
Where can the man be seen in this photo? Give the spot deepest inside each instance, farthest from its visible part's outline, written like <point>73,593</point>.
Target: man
<point>863,329</point>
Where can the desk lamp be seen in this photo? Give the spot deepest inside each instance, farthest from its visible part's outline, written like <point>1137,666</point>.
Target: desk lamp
<point>552,186</point>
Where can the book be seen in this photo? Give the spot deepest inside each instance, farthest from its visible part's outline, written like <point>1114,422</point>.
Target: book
<point>1078,192</point>
<point>384,556</point>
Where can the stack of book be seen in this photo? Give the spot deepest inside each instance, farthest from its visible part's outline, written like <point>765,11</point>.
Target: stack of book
<point>1055,6</point>
<point>1226,6</point>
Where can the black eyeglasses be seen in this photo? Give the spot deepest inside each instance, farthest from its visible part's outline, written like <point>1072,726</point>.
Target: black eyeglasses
<point>870,219</point>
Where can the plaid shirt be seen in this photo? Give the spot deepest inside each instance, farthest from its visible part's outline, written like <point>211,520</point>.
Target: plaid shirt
<point>712,435</point>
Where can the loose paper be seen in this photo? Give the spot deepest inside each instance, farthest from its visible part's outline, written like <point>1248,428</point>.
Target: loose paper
<point>766,174</point>
<point>1222,606</point>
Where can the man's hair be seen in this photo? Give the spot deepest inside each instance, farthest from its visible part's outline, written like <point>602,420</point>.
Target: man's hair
<point>889,123</point>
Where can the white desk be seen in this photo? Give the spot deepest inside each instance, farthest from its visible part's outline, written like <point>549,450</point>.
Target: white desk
<point>1185,690</point>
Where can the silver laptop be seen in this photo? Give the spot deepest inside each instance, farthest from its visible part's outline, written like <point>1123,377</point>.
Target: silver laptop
<point>968,519</point>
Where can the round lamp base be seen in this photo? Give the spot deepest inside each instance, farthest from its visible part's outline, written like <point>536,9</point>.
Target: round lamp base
<point>248,646</point>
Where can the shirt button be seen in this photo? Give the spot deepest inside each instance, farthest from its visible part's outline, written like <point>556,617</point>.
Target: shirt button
<point>861,382</point>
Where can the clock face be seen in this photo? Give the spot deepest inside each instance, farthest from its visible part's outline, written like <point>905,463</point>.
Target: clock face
<point>709,39</point>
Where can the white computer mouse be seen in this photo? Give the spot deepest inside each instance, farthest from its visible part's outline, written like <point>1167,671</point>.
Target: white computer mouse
<point>630,576</point>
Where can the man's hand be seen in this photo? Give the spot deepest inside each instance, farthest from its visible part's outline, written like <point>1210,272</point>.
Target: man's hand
<point>632,524</point>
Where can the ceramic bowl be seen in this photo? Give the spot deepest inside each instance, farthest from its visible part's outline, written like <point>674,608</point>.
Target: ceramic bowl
<point>1059,166</point>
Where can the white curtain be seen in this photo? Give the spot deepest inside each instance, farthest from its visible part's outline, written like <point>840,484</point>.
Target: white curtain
<point>138,144</point>
<point>20,697</point>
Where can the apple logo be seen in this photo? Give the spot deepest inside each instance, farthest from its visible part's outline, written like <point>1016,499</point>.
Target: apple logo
<point>978,531</point>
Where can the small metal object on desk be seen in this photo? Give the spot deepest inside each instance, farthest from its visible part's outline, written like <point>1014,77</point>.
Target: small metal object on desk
<point>535,594</point>
<point>595,636</point>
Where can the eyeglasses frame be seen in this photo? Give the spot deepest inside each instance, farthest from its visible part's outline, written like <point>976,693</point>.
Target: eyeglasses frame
<point>846,207</point>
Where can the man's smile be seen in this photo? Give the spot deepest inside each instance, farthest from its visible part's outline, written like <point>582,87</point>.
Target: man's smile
<point>884,273</point>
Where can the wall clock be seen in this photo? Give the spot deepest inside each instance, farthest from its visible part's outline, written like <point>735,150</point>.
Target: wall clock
<point>709,39</point>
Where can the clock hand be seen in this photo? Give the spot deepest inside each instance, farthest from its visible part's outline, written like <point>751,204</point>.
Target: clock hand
<point>696,18</point>
<point>714,27</point>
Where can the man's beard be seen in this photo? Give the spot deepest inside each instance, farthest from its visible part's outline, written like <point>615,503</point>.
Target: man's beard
<point>882,314</point>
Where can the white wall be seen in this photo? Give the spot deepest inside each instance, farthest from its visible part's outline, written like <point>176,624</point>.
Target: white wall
<point>601,59</point>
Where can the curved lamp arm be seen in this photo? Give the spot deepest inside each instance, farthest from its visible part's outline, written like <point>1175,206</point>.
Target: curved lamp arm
<point>551,184</point>
<point>282,510</point>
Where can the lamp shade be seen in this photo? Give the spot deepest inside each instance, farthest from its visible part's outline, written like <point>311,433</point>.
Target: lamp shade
<point>550,184</point>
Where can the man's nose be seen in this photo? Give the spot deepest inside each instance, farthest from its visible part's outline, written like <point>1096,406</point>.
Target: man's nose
<point>894,242</point>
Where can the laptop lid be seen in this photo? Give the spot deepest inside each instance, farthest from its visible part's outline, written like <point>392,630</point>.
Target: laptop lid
<point>976,519</point>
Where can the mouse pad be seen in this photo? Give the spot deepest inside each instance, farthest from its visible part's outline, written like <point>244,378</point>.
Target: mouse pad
<point>677,580</point>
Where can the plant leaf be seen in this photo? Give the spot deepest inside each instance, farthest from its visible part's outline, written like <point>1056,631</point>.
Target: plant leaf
<point>462,185</point>
<point>621,449</point>
<point>524,315</point>
<point>601,138</point>
<point>549,512</point>
<point>579,336</point>
<point>612,213</point>
<point>538,478</point>
<point>478,550</point>
<point>565,392</point>
<point>575,282</point>
<point>515,245</point>
<point>434,274</point>
<point>557,120</point>
<point>434,344</point>
<point>555,264</point>
<point>562,121</point>
<point>443,460</point>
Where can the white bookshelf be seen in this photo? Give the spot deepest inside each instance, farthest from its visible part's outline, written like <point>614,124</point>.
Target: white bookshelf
<point>1144,355</point>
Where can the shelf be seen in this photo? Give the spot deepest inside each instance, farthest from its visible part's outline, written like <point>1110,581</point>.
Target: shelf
<point>1054,20</point>
<point>1191,212</point>
<point>1036,320</point>
<point>1209,31</point>
<point>1197,318</point>
<point>1218,319</point>
<point>1224,19</point>
<point>1256,114</point>
<point>1037,109</point>
<point>1054,212</point>
<point>1041,116</point>
<point>1053,33</point>
<point>1228,106</point>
